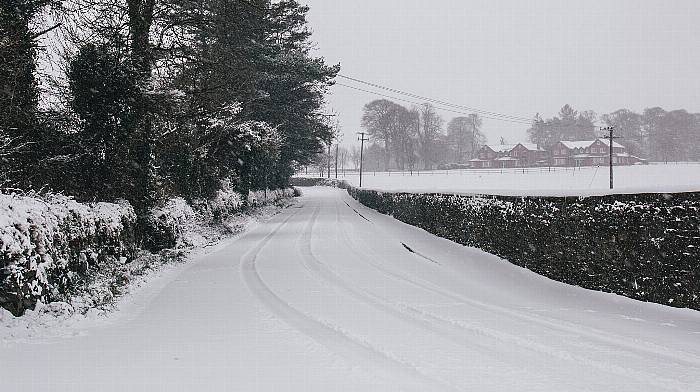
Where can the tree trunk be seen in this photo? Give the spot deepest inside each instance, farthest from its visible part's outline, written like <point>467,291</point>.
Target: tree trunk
<point>140,21</point>
<point>387,155</point>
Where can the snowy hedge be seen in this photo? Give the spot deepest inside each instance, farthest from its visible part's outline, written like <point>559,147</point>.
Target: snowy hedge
<point>319,181</point>
<point>269,196</point>
<point>174,224</point>
<point>643,246</point>
<point>48,244</point>
<point>52,245</point>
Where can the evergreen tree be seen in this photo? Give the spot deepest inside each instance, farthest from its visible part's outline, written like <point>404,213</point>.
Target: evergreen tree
<point>102,94</point>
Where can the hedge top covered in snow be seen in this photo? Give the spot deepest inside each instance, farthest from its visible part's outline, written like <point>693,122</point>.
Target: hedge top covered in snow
<point>19,213</point>
<point>47,242</point>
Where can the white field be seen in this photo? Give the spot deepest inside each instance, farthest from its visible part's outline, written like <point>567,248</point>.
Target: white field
<point>324,297</point>
<point>538,181</point>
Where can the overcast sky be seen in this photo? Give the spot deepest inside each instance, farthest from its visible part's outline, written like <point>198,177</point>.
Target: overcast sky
<point>512,56</point>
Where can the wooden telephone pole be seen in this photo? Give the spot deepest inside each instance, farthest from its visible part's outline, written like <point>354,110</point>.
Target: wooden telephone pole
<point>611,137</point>
<point>362,140</point>
<point>328,157</point>
<point>336,160</point>
<point>330,143</point>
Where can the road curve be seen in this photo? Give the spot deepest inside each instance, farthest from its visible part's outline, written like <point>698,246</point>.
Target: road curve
<point>330,295</point>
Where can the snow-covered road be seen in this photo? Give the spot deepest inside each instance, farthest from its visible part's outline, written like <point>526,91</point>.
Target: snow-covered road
<point>332,296</point>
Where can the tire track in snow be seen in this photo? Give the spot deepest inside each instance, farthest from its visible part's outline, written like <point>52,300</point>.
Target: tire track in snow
<point>405,377</point>
<point>404,312</point>
<point>623,342</point>
<point>505,337</point>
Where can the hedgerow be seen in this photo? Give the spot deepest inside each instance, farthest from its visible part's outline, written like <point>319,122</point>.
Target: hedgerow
<point>643,246</point>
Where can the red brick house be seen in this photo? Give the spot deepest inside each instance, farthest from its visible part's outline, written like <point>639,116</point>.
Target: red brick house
<point>564,153</point>
<point>488,156</point>
<point>528,155</point>
<point>588,153</point>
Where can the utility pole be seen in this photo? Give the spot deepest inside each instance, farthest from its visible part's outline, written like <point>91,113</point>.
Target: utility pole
<point>328,158</point>
<point>611,137</point>
<point>362,140</point>
<point>336,160</point>
<point>330,142</point>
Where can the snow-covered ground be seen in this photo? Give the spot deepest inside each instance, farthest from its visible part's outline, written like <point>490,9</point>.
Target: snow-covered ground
<point>539,181</point>
<point>326,296</point>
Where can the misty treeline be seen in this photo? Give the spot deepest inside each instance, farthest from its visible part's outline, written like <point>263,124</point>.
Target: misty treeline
<point>417,137</point>
<point>655,134</point>
<point>149,99</point>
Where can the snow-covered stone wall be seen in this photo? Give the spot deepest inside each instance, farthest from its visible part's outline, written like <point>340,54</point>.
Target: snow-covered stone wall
<point>643,246</point>
<point>49,243</point>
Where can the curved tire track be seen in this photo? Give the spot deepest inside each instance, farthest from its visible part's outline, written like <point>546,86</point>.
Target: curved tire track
<point>405,377</point>
<point>513,339</point>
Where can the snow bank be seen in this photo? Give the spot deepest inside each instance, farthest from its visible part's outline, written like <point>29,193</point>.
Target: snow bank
<point>643,246</point>
<point>48,244</point>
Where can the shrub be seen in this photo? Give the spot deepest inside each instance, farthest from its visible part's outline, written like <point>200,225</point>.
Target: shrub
<point>48,244</point>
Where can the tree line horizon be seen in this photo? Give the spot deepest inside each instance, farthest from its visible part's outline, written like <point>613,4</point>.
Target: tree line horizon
<point>417,137</point>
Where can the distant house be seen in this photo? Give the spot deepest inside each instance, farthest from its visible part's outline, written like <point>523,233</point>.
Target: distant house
<point>508,155</point>
<point>564,153</point>
<point>528,155</point>
<point>478,163</point>
<point>588,153</point>
<point>488,155</point>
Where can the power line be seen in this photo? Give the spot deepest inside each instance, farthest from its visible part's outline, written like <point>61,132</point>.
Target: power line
<point>526,122</point>
<point>433,100</point>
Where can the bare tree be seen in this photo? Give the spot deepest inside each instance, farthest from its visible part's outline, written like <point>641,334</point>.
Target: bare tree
<point>343,157</point>
<point>355,157</point>
<point>464,134</point>
<point>379,120</point>
<point>429,133</point>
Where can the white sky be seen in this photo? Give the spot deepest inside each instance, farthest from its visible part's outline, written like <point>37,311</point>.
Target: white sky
<point>513,56</point>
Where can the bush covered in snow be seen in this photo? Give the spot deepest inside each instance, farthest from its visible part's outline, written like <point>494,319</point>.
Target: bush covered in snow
<point>319,181</point>
<point>226,203</point>
<point>267,196</point>
<point>174,224</point>
<point>643,246</point>
<point>49,243</point>
<point>52,245</point>
<point>167,223</point>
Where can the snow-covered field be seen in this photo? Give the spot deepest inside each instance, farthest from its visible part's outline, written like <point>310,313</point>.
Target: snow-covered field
<point>539,181</point>
<point>326,296</point>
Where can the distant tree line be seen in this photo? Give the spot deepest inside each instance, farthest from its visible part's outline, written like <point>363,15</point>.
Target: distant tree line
<point>654,134</point>
<point>158,98</point>
<point>416,137</point>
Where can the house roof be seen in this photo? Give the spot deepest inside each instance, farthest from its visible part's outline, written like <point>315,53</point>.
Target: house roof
<point>501,147</point>
<point>531,146</point>
<point>587,143</point>
<point>505,159</point>
<point>607,143</point>
<point>577,144</point>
